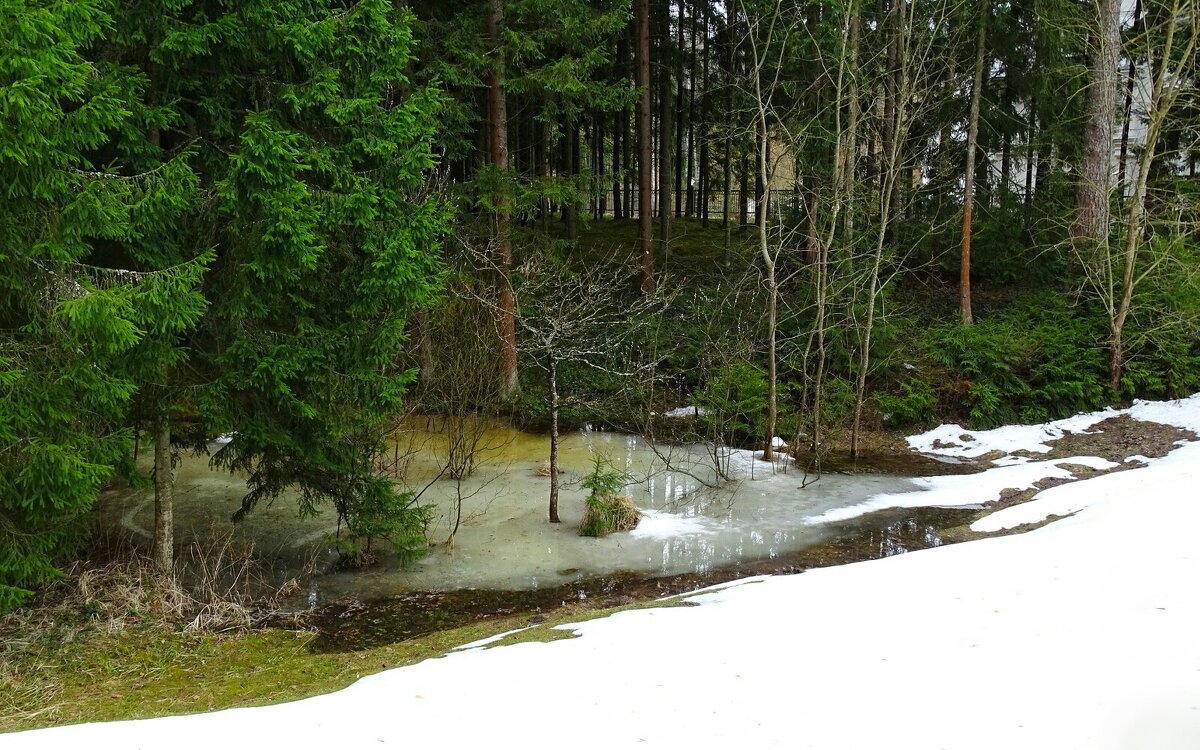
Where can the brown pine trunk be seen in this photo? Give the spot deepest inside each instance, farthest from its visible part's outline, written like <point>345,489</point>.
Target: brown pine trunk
<point>498,148</point>
<point>969,177</point>
<point>645,224</point>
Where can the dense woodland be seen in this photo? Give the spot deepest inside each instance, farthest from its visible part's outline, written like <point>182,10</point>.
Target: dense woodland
<point>294,221</point>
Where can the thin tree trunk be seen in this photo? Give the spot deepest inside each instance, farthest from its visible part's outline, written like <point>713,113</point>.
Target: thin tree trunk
<point>1127,110</point>
<point>666,110</point>
<point>969,179</point>
<point>163,553</point>
<point>1160,104</point>
<point>553,440</point>
<point>645,224</point>
<point>679,113</point>
<point>691,127</point>
<point>618,131</point>
<point>1029,153</point>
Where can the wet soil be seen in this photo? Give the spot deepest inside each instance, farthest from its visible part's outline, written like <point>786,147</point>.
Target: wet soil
<point>353,625</point>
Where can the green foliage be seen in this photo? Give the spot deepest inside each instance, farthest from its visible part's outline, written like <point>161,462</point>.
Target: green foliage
<point>605,510</point>
<point>916,404</point>
<point>1036,359</point>
<point>87,307</point>
<point>328,242</point>
<point>374,510</point>
<point>733,402</point>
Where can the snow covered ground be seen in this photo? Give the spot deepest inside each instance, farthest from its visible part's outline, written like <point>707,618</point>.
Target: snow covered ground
<point>1082,634</point>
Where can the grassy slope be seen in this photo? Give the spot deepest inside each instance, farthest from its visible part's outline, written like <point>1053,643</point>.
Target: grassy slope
<point>156,671</point>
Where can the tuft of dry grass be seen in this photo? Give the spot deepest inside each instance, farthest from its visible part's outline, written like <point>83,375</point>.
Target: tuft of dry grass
<point>605,514</point>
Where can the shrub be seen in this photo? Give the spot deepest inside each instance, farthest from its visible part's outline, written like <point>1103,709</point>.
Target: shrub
<point>606,511</point>
<point>917,404</point>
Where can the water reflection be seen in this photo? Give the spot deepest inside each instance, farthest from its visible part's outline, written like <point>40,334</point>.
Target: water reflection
<point>694,524</point>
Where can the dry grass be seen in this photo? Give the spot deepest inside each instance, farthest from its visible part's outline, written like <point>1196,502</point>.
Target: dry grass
<point>607,514</point>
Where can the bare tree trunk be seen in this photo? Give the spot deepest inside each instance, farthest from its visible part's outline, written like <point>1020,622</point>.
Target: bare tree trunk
<point>1127,112</point>
<point>618,131</point>
<point>163,554</point>
<point>645,222</point>
<point>1096,171</point>
<point>553,440</point>
<point>498,146</point>
<point>1161,102</point>
<point>571,167</point>
<point>969,177</point>
<point>691,120</point>
<point>679,101</point>
<point>666,115</point>
<point>1029,152</point>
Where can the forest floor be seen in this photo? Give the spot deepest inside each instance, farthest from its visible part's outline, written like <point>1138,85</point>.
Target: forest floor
<point>1078,633</point>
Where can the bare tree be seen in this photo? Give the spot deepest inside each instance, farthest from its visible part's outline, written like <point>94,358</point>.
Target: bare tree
<point>578,318</point>
<point>1114,275</point>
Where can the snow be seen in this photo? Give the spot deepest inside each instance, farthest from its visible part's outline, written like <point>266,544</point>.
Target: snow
<point>490,639</point>
<point>951,440</point>
<point>966,489</point>
<point>658,524</point>
<point>681,412</point>
<point>958,442</point>
<point>1078,635</point>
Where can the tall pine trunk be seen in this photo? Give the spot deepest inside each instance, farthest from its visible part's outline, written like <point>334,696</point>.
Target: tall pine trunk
<point>1092,219</point>
<point>645,221</point>
<point>666,116</point>
<point>498,148</point>
<point>969,178</point>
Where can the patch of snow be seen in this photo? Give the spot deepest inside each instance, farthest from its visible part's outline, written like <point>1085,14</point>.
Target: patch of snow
<point>1081,634</point>
<point>1183,413</point>
<point>225,439</point>
<point>778,442</point>
<point>965,489</point>
<point>959,442</point>
<point>659,524</point>
<point>1011,460</point>
<point>490,639</point>
<point>681,412</point>
<point>955,440</point>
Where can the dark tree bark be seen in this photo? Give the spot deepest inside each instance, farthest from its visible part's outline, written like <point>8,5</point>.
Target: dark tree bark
<point>691,118</point>
<point>645,225</point>
<point>679,102</point>
<point>498,148</point>
<point>666,115</point>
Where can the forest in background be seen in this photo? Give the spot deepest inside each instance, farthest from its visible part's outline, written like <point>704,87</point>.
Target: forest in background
<point>290,222</point>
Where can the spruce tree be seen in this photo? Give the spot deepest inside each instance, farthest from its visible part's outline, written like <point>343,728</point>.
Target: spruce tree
<point>315,148</point>
<point>84,306</point>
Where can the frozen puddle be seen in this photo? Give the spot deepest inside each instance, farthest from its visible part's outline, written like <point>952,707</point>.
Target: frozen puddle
<point>504,541</point>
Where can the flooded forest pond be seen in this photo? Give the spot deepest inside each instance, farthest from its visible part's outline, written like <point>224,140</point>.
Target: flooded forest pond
<point>695,529</point>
